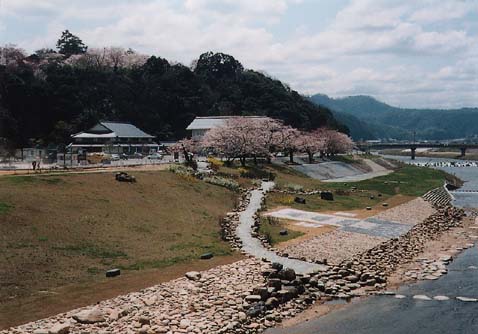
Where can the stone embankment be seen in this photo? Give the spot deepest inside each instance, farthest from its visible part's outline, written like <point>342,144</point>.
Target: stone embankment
<point>438,197</point>
<point>211,301</point>
<point>286,293</point>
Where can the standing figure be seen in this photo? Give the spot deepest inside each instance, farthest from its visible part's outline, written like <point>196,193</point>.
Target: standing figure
<point>34,165</point>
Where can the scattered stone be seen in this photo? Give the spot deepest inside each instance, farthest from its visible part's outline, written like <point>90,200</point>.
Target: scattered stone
<point>327,195</point>
<point>193,275</point>
<point>206,256</point>
<point>113,272</point>
<point>90,316</point>
<point>466,299</point>
<point>124,177</point>
<point>299,200</point>
<point>400,296</point>
<point>421,297</point>
<point>441,298</point>
<point>59,329</point>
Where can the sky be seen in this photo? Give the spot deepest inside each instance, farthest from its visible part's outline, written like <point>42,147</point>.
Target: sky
<point>408,53</point>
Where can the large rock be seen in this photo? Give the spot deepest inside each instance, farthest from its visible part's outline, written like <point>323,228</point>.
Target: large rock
<point>327,195</point>
<point>272,302</point>
<point>287,274</point>
<point>206,256</point>
<point>113,272</point>
<point>277,266</point>
<point>59,329</point>
<point>299,200</point>
<point>256,310</point>
<point>193,275</point>
<point>89,316</point>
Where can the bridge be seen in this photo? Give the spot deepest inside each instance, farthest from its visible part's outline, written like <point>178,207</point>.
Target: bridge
<point>412,146</point>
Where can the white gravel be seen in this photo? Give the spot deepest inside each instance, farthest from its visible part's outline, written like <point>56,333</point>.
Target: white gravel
<point>335,246</point>
<point>412,212</point>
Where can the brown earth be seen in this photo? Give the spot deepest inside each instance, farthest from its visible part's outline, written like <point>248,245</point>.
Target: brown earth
<point>65,231</point>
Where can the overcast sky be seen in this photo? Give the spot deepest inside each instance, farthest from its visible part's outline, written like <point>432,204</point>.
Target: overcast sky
<point>409,53</point>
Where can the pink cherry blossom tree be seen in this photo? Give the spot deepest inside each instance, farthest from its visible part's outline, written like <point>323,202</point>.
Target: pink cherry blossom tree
<point>288,140</point>
<point>235,139</point>
<point>336,142</point>
<point>311,143</point>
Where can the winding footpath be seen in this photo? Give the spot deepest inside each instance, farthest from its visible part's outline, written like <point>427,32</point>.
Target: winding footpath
<point>254,247</point>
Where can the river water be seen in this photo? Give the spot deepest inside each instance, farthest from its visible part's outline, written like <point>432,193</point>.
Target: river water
<point>466,196</point>
<point>389,315</point>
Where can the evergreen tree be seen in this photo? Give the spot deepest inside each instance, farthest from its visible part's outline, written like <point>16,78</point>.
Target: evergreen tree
<point>69,44</point>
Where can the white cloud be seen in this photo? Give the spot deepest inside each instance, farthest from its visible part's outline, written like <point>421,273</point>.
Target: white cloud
<point>389,49</point>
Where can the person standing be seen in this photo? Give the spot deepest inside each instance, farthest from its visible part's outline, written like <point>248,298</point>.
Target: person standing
<point>34,165</point>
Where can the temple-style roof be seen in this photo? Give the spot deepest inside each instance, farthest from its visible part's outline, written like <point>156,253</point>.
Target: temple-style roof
<point>206,123</point>
<point>113,130</point>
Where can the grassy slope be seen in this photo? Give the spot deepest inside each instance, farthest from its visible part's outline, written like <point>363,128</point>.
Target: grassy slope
<point>69,229</point>
<point>407,180</point>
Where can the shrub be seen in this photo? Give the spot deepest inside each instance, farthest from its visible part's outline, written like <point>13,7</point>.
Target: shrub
<point>214,163</point>
<point>222,182</point>
<point>255,173</point>
<point>342,192</point>
<point>192,164</point>
<point>286,199</point>
<point>294,187</point>
<point>182,170</point>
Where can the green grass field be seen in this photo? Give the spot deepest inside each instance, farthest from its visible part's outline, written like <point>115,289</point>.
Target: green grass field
<point>271,227</point>
<point>407,180</point>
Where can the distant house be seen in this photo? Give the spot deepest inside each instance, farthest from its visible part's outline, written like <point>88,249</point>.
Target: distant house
<point>200,125</point>
<point>114,137</point>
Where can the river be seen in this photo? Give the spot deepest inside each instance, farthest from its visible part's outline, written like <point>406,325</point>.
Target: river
<point>389,315</point>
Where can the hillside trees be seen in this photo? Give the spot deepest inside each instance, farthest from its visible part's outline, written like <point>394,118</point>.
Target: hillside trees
<point>82,86</point>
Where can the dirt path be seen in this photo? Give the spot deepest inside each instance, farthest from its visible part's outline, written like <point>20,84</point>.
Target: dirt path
<point>27,172</point>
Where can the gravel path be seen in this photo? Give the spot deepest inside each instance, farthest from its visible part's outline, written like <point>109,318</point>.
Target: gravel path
<point>254,247</point>
<point>335,246</point>
<point>412,212</point>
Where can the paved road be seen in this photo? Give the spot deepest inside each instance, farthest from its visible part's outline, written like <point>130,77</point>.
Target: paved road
<point>254,247</point>
<point>377,170</point>
<point>386,314</point>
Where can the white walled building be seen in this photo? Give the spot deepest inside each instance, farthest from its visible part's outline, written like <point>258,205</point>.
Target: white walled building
<point>200,125</point>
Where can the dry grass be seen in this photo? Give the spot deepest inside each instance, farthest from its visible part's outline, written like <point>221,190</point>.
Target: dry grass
<point>69,229</point>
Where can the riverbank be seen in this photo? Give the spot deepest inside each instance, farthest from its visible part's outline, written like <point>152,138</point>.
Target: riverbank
<point>408,311</point>
<point>385,313</point>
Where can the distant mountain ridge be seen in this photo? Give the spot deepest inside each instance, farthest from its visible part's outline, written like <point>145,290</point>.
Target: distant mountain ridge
<point>368,118</point>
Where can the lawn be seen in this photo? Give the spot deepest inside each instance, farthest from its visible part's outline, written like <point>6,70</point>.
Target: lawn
<point>270,227</point>
<point>407,181</point>
<point>69,229</point>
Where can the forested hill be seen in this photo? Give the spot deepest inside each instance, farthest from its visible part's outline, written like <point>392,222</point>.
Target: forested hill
<point>48,96</point>
<point>369,118</point>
